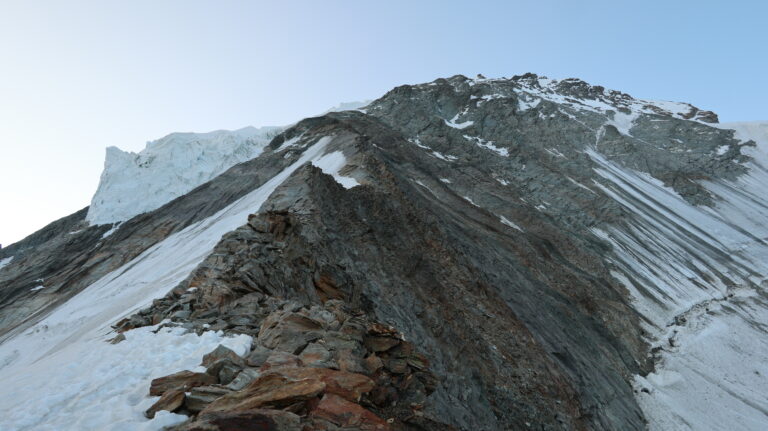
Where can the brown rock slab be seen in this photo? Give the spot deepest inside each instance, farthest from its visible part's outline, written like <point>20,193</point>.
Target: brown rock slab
<point>170,401</point>
<point>183,380</point>
<point>278,359</point>
<point>418,361</point>
<point>376,343</point>
<point>225,369</point>
<point>219,353</point>
<point>199,397</point>
<point>289,331</point>
<point>343,413</point>
<point>244,378</point>
<point>350,386</point>
<point>258,356</point>
<point>373,363</point>
<point>272,390</point>
<point>381,329</point>
<point>248,420</point>
<point>316,355</point>
<point>350,360</point>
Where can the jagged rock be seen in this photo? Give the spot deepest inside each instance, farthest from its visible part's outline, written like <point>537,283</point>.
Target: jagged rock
<point>219,325</point>
<point>316,355</point>
<point>379,329</point>
<point>420,421</point>
<point>118,338</point>
<point>221,352</point>
<point>373,363</point>
<point>271,390</point>
<point>289,331</point>
<point>247,420</point>
<point>183,380</point>
<point>418,361</point>
<point>170,401</point>
<point>241,321</point>
<point>344,384</point>
<point>244,378</point>
<point>281,359</point>
<point>181,315</point>
<point>380,344</point>
<point>258,356</point>
<point>225,369</point>
<point>199,397</point>
<point>343,413</point>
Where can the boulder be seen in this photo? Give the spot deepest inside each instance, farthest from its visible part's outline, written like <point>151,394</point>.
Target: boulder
<point>279,359</point>
<point>344,413</point>
<point>268,391</point>
<point>170,401</point>
<point>117,339</point>
<point>350,386</point>
<point>316,355</point>
<point>221,352</point>
<point>246,376</point>
<point>183,380</point>
<point>247,420</point>
<point>258,356</point>
<point>289,331</point>
<point>228,372</point>
<point>376,343</point>
<point>201,396</point>
<point>350,360</point>
<point>373,363</point>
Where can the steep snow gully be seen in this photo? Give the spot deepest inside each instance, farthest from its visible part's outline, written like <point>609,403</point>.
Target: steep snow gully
<point>696,275</point>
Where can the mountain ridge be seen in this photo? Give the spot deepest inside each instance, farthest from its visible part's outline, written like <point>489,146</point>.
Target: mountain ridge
<point>494,214</point>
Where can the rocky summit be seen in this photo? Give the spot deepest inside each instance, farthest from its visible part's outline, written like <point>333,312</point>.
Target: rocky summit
<point>465,254</point>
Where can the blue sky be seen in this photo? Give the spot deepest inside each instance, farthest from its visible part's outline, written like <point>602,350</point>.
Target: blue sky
<point>79,76</point>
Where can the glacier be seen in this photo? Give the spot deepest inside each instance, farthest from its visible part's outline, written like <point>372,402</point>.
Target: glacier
<point>134,183</point>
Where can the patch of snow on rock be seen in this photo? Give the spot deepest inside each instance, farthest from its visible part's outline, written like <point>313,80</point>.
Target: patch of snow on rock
<point>453,122</point>
<point>331,164</point>
<point>509,223</point>
<point>488,145</point>
<point>6,261</point>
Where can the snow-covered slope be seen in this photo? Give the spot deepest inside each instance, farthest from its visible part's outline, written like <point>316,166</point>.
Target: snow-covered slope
<point>698,278</point>
<point>134,183</point>
<point>64,374</point>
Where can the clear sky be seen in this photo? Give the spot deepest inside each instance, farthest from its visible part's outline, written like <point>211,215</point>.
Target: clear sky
<point>78,76</point>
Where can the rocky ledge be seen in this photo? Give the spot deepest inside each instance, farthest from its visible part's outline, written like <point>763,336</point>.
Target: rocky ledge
<point>323,367</point>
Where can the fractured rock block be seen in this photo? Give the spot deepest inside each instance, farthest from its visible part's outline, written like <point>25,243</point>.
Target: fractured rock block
<point>248,420</point>
<point>268,391</point>
<point>220,352</point>
<point>183,380</point>
<point>199,397</point>
<point>343,413</point>
<point>170,401</point>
